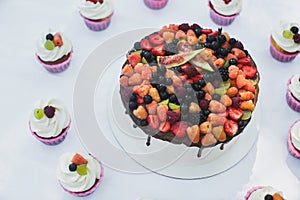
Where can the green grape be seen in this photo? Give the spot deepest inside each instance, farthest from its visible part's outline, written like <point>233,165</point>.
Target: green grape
<point>49,45</point>
<point>82,170</point>
<point>246,115</point>
<point>173,106</point>
<point>287,34</point>
<point>38,113</point>
<point>220,91</point>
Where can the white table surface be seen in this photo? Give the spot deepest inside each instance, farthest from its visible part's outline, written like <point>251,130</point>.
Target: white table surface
<point>28,167</point>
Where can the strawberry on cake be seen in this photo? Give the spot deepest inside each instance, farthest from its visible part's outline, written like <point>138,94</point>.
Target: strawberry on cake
<point>189,85</point>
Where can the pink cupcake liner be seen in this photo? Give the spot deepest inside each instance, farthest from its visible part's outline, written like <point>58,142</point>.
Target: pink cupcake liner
<point>97,25</point>
<point>52,141</point>
<point>252,190</point>
<point>292,150</point>
<point>290,99</point>
<point>281,56</point>
<point>56,68</point>
<point>221,19</point>
<point>92,189</point>
<point>156,4</point>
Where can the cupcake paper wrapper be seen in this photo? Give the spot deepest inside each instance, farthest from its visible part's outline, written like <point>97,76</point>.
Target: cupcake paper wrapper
<point>293,151</point>
<point>92,189</point>
<point>221,19</point>
<point>281,56</point>
<point>154,4</point>
<point>252,190</point>
<point>56,68</point>
<point>290,99</point>
<point>52,141</point>
<point>97,26</point>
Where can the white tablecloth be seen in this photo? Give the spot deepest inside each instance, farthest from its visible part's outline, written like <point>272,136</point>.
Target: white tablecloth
<point>28,167</point>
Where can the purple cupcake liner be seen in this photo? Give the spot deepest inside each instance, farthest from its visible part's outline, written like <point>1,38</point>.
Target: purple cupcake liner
<point>97,25</point>
<point>281,56</point>
<point>252,190</point>
<point>56,68</point>
<point>292,150</point>
<point>221,19</point>
<point>92,189</point>
<point>52,141</point>
<point>156,4</point>
<point>290,99</point>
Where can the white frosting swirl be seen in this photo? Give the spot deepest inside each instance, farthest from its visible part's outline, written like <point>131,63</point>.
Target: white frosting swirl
<point>295,135</point>
<point>55,54</point>
<point>287,45</point>
<point>233,7</point>
<point>295,86</point>
<point>261,193</point>
<point>96,11</point>
<point>74,182</point>
<point>50,127</point>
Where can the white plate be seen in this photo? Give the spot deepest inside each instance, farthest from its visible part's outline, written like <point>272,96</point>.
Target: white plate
<point>107,133</point>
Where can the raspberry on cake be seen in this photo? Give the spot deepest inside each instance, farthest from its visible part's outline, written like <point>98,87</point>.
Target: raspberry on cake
<point>189,85</point>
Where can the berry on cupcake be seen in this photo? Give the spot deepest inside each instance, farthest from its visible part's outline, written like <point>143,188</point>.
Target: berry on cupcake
<point>264,193</point>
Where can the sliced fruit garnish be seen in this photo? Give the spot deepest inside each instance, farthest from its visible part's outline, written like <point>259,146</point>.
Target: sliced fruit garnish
<point>287,34</point>
<point>179,129</point>
<point>173,106</point>
<point>164,102</point>
<point>230,127</point>
<point>159,50</point>
<point>134,58</point>
<point>164,127</point>
<point>156,39</point>
<point>249,71</point>
<point>145,44</point>
<point>177,59</point>
<point>78,159</point>
<point>57,40</point>
<point>235,113</point>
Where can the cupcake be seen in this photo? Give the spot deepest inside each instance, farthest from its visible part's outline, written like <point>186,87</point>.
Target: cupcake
<point>264,193</point>
<point>49,122</point>
<point>285,41</point>
<point>54,51</point>
<point>96,14</point>
<point>156,4</point>
<point>293,92</point>
<point>223,12</point>
<point>79,174</point>
<point>294,139</point>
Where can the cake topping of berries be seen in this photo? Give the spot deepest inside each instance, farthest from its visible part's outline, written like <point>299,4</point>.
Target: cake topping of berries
<point>189,84</point>
<point>53,41</point>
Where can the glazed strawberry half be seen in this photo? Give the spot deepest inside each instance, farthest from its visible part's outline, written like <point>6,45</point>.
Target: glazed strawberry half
<point>190,85</point>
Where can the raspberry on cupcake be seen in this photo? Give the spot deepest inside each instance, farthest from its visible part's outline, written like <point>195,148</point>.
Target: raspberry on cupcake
<point>97,14</point>
<point>54,51</point>
<point>285,41</point>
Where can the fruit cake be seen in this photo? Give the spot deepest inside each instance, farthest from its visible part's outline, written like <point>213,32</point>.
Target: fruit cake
<point>190,85</point>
